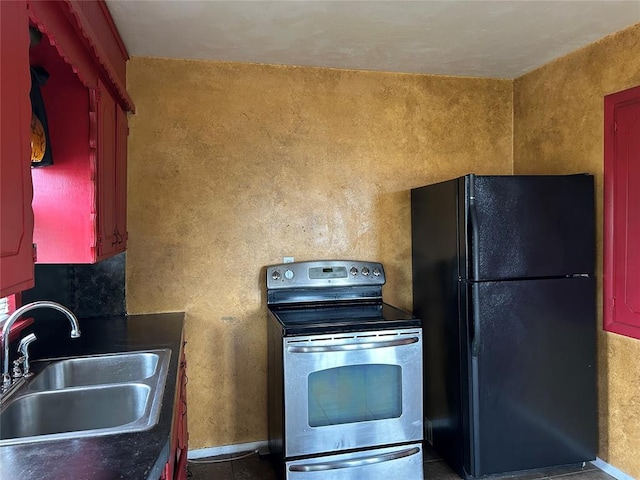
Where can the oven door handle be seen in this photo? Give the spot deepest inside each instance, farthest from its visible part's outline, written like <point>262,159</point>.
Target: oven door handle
<point>356,462</point>
<point>349,347</point>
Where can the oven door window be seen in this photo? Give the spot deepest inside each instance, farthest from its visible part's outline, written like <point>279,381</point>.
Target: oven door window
<point>352,393</point>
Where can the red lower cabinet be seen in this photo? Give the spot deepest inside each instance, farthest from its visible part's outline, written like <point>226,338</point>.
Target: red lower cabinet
<point>181,434</point>
<point>176,467</point>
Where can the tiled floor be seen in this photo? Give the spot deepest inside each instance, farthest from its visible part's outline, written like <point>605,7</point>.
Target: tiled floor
<point>254,467</point>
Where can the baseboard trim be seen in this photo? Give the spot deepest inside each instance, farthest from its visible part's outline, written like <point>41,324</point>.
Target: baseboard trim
<point>262,447</point>
<point>611,470</point>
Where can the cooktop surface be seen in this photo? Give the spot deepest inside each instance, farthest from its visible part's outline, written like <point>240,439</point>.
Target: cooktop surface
<point>309,319</point>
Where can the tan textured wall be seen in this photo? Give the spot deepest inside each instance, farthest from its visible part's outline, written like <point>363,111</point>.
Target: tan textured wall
<point>558,128</point>
<point>232,166</point>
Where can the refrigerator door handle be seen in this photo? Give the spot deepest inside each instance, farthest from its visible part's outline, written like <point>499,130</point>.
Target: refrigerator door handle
<point>475,266</point>
<point>473,230</point>
<point>474,319</point>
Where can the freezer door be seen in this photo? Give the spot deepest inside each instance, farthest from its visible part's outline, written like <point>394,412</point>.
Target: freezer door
<point>533,374</point>
<point>529,226</point>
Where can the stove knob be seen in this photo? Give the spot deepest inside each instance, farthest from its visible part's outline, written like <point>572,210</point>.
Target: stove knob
<point>288,274</point>
<point>376,272</point>
<point>275,275</point>
<point>353,271</point>
<point>365,271</point>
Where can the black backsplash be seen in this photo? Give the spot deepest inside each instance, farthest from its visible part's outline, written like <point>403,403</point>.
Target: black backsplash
<point>87,290</point>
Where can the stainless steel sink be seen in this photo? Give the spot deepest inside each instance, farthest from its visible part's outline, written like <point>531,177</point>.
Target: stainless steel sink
<point>98,370</point>
<point>86,397</point>
<point>84,409</point>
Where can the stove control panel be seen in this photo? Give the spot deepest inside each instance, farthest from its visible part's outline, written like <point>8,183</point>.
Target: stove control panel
<point>324,274</point>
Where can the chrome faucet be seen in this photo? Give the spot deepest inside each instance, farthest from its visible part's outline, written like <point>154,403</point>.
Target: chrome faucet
<point>75,331</point>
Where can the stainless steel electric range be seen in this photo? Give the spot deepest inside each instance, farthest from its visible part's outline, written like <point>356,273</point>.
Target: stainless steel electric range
<point>345,374</point>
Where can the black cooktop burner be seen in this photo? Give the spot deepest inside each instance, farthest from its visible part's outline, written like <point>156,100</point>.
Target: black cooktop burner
<point>310,319</point>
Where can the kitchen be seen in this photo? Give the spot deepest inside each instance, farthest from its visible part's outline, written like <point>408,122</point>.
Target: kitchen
<point>225,178</point>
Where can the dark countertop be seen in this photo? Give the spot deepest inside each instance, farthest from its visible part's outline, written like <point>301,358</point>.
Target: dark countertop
<point>136,455</point>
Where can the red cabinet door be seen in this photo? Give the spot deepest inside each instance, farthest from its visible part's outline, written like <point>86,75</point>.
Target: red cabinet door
<point>177,466</point>
<point>622,213</point>
<point>16,234</point>
<point>107,175</point>
<point>183,433</point>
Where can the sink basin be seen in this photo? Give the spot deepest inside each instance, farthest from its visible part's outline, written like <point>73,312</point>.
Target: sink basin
<point>76,410</point>
<point>87,397</point>
<point>103,369</point>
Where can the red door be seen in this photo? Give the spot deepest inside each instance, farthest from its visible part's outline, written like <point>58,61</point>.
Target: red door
<point>16,234</point>
<point>622,213</point>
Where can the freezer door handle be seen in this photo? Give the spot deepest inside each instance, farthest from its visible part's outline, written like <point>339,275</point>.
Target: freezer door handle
<point>356,462</point>
<point>474,320</point>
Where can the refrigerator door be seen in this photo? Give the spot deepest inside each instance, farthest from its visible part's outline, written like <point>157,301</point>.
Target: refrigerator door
<point>533,374</point>
<point>528,226</point>
<point>434,234</point>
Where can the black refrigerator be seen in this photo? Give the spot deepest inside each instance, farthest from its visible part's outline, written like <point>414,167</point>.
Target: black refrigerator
<point>503,278</point>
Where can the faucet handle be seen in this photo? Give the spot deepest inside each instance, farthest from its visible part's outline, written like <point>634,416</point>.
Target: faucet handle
<point>17,373</point>
<point>23,348</point>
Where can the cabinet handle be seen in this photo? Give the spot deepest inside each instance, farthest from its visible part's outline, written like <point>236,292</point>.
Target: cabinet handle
<point>118,239</point>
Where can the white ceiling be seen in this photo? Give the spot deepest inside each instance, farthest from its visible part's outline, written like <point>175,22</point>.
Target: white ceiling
<point>499,39</point>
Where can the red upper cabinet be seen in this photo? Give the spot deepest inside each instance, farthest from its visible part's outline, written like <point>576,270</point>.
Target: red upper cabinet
<point>112,175</point>
<point>75,209</point>
<point>80,215</point>
<point>107,228</point>
<point>16,257</point>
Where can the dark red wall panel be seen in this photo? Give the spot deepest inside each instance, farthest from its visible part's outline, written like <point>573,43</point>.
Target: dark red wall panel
<point>622,213</point>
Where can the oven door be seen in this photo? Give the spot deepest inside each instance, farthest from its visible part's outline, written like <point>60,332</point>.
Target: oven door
<point>352,390</point>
